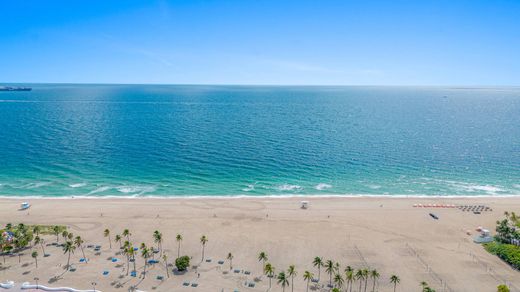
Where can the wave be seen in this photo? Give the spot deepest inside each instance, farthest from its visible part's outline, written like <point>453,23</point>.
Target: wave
<point>322,186</point>
<point>100,190</point>
<point>135,189</point>
<point>77,185</point>
<point>35,185</point>
<point>249,188</point>
<point>288,187</point>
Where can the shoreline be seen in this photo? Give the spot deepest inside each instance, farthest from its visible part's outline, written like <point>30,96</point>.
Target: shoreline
<point>305,196</point>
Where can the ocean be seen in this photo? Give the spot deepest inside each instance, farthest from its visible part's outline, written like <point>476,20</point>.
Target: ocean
<point>62,140</point>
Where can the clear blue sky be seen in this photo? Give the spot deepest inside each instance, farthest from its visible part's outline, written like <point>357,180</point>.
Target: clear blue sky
<point>452,42</point>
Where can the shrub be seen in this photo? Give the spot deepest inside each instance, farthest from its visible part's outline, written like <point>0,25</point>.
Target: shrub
<point>182,263</point>
<point>508,252</point>
<point>502,288</point>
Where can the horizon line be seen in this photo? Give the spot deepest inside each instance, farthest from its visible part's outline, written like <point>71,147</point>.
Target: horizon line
<point>268,85</point>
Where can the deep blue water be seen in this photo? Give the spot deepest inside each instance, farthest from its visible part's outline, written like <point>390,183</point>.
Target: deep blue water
<point>138,140</point>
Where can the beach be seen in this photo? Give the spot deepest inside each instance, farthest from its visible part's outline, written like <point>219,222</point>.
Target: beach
<point>387,234</point>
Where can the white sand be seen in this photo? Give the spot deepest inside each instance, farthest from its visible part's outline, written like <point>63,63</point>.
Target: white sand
<point>379,233</point>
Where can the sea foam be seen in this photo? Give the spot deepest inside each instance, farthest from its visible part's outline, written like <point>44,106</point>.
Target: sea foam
<point>77,185</point>
<point>322,186</point>
<point>288,187</point>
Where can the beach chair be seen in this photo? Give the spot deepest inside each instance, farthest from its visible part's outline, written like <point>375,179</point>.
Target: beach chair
<point>186,284</point>
<point>194,285</point>
<point>105,273</point>
<point>133,274</point>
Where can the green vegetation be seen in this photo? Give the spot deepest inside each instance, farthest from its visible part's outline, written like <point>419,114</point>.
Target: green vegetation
<point>182,263</point>
<point>508,252</point>
<point>507,234</point>
<point>426,288</point>
<point>502,288</point>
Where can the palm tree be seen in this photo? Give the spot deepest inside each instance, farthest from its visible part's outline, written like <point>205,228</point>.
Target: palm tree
<point>117,238</point>
<point>203,241</point>
<point>68,248</point>
<point>282,280</point>
<point>165,259</point>
<point>179,239</point>
<point>158,238</point>
<point>106,233</point>
<point>335,290</point>
<point>39,240</point>
<point>359,276</point>
<point>394,279</point>
<point>78,241</point>
<point>230,258</point>
<point>56,231</point>
<point>291,272</point>
<point>349,276</point>
<point>37,229</point>
<point>338,280</point>
<point>70,236</point>
<point>307,276</point>
<point>269,271</point>
<point>35,257</point>
<point>126,233</point>
<point>131,254</point>
<point>374,274</point>
<point>65,234</point>
<point>126,252</point>
<point>262,257</point>
<point>145,253</point>
<point>365,277</point>
<point>318,262</point>
<point>329,268</point>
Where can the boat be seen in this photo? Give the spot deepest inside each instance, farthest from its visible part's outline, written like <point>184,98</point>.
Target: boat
<point>10,88</point>
<point>25,206</point>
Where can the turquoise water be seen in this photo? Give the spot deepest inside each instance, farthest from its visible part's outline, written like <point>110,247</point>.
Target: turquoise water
<point>143,140</point>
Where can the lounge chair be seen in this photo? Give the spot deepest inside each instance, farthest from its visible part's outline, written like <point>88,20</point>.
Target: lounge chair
<point>208,260</point>
<point>105,273</point>
<point>114,260</point>
<point>133,274</point>
<point>160,278</point>
<point>247,272</point>
<point>194,285</point>
<point>236,271</point>
<point>220,262</point>
<point>185,283</point>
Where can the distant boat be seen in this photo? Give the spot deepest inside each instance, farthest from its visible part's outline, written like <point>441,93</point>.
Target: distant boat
<point>9,88</point>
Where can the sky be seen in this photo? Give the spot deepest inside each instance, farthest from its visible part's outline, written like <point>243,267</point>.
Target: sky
<point>278,42</point>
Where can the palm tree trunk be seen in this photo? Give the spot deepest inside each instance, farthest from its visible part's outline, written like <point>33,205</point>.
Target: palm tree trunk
<point>366,280</point>
<point>43,250</point>
<point>68,261</point>
<point>110,242</point>
<point>374,286</point>
<point>83,254</point>
<point>307,286</point>
<point>202,252</point>
<point>167,272</point>
<point>319,273</point>
<point>360,283</point>
<point>144,273</point>
<point>292,283</point>
<point>36,262</point>
<point>133,257</point>
<point>127,264</point>
<point>179,250</point>
<point>395,284</point>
